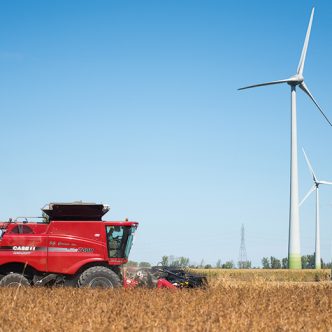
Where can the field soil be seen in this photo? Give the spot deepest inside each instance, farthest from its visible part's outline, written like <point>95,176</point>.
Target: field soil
<point>227,305</point>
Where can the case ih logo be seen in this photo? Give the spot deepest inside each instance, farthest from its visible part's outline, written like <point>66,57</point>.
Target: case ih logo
<point>23,248</point>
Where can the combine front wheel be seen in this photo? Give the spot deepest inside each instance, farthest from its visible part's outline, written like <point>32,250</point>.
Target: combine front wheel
<point>14,280</point>
<point>99,277</point>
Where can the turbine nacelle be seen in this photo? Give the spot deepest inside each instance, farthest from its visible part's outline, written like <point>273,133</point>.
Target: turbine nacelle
<point>317,182</point>
<point>295,79</point>
<point>315,188</point>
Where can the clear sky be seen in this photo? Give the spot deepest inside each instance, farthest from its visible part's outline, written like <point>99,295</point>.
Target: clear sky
<point>135,104</point>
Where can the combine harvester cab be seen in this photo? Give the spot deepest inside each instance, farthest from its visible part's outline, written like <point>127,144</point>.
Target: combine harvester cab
<point>72,246</point>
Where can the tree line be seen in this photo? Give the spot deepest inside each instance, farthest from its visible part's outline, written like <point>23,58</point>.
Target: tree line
<point>308,262</point>
<point>184,262</point>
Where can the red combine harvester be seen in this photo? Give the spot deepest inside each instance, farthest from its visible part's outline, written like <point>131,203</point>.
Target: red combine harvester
<point>72,246</point>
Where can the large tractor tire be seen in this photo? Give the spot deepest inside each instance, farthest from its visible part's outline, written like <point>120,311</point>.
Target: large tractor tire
<point>99,277</point>
<point>14,280</point>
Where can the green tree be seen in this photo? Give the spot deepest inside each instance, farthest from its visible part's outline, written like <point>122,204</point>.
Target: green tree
<point>244,265</point>
<point>266,263</point>
<point>218,264</point>
<point>308,261</point>
<point>326,265</point>
<point>284,263</point>
<point>228,265</point>
<point>144,264</point>
<point>183,261</point>
<point>275,263</point>
<point>208,266</point>
<point>304,262</point>
<point>164,261</point>
<point>247,265</point>
<point>132,263</point>
<point>180,262</point>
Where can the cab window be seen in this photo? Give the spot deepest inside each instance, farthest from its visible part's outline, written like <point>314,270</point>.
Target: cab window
<point>114,240</point>
<point>119,240</point>
<point>21,229</point>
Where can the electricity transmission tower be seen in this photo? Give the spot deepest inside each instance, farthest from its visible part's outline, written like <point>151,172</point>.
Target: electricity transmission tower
<point>243,261</point>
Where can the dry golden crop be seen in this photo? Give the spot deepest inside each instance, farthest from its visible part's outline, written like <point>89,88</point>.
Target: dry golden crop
<point>227,305</point>
<point>267,274</point>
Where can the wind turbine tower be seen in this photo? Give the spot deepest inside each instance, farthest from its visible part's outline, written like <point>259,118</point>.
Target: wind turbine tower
<point>315,187</point>
<point>297,80</point>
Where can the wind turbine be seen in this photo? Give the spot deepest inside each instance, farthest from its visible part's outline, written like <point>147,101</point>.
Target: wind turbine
<point>315,187</point>
<point>294,254</point>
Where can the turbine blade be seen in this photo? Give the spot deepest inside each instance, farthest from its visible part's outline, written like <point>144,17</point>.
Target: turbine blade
<point>325,182</point>
<point>312,189</point>
<point>267,83</point>
<point>306,91</point>
<point>305,45</point>
<point>309,165</point>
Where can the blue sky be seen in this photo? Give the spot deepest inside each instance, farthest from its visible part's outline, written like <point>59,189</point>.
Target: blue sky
<point>135,104</point>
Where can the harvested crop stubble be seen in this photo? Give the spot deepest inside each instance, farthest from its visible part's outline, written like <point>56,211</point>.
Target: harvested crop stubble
<point>225,306</point>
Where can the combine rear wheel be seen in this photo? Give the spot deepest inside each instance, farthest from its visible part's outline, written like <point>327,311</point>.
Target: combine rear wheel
<point>14,280</point>
<point>99,277</point>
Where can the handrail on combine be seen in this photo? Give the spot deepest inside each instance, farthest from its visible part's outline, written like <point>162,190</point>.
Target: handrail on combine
<point>26,219</point>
